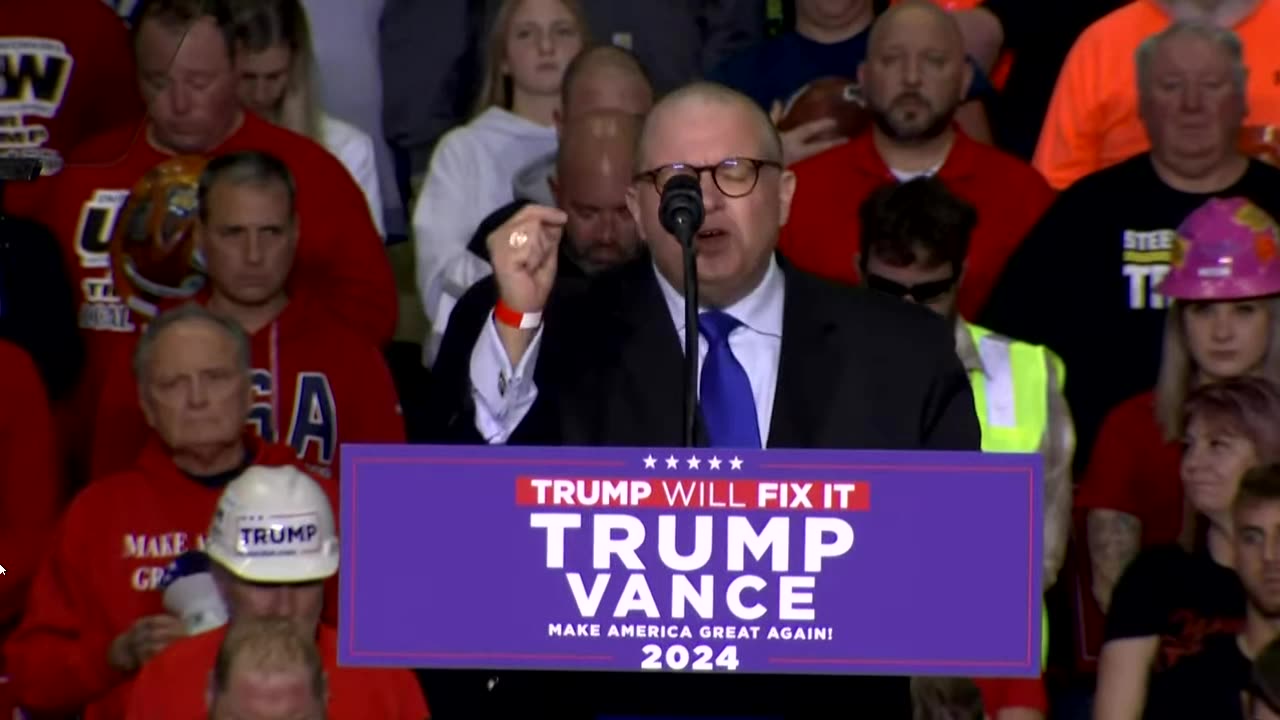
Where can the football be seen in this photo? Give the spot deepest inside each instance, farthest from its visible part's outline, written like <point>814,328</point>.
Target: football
<point>828,97</point>
<point>1261,142</point>
<point>153,244</point>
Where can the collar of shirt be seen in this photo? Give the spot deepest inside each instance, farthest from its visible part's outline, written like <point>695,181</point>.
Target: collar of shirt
<point>760,310</point>
<point>967,351</point>
<point>964,158</point>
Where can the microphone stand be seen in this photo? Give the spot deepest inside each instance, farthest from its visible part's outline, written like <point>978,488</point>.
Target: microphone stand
<point>681,212</point>
<point>690,252</point>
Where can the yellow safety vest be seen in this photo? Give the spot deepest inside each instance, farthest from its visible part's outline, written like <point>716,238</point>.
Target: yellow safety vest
<point>1013,406</point>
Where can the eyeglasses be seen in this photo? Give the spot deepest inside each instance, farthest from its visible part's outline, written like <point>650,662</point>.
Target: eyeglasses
<point>922,293</point>
<point>735,177</point>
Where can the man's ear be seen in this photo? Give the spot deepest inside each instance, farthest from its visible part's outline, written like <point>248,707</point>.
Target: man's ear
<point>558,120</point>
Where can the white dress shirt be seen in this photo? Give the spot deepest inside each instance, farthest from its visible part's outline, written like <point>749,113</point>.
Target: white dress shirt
<point>503,395</point>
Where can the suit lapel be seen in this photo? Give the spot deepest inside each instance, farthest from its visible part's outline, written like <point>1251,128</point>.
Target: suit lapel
<point>808,367</point>
<point>645,405</point>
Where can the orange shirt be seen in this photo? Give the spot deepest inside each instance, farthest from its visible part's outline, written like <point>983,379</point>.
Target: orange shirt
<point>174,685</point>
<point>1093,122</point>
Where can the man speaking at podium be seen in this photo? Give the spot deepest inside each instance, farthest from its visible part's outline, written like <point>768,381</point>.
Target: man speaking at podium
<point>788,361</point>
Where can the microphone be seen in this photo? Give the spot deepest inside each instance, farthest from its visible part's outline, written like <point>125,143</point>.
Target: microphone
<point>680,209</point>
<point>681,213</point>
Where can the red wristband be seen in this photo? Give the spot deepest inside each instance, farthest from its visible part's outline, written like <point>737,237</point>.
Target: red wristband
<point>516,319</point>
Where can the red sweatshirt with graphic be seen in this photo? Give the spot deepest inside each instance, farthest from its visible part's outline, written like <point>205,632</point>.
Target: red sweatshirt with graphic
<point>68,75</point>
<point>340,264</point>
<point>174,685</point>
<point>100,575</point>
<point>30,486</point>
<point>316,385</point>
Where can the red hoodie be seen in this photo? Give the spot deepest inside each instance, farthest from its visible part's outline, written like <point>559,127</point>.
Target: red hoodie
<point>316,385</point>
<point>30,487</point>
<point>341,262</point>
<point>174,685</point>
<point>100,575</point>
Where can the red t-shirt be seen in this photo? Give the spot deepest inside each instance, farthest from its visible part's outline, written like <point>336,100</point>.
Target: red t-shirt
<point>174,685</point>
<point>1134,470</point>
<point>68,75</point>
<point>101,574</point>
<point>306,395</point>
<point>30,483</point>
<point>1008,693</point>
<point>823,230</point>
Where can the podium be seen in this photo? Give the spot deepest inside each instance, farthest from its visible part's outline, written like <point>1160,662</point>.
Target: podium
<point>691,561</point>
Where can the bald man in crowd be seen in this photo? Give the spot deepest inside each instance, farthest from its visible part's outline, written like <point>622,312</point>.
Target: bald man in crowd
<point>599,78</point>
<point>914,79</point>
<point>593,167</point>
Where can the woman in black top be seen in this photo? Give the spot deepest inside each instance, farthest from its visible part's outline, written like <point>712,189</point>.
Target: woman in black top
<point>1173,600</point>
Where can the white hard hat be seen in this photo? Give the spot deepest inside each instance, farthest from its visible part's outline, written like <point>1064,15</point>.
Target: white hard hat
<point>274,525</point>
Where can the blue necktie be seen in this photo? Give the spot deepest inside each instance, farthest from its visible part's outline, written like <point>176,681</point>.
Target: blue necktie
<point>728,407</point>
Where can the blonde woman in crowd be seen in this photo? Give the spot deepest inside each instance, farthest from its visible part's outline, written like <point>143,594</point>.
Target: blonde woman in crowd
<point>471,172</point>
<point>277,71</point>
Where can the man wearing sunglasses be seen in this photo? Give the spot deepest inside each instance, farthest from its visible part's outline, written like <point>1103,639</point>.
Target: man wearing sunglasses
<point>915,237</point>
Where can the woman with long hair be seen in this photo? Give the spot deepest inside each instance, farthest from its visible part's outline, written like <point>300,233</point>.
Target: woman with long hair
<point>1175,596</point>
<point>1223,322</point>
<point>276,66</point>
<point>474,166</point>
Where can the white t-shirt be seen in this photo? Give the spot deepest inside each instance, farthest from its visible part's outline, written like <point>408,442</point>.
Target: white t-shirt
<point>354,149</point>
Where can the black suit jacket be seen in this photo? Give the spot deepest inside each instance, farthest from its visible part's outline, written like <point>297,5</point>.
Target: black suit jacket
<point>857,371</point>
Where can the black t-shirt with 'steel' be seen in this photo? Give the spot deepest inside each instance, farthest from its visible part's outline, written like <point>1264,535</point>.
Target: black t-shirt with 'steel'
<point>1190,602</point>
<point>1083,281</point>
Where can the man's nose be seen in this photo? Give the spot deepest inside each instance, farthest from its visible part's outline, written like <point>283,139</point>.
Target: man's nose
<point>1192,98</point>
<point>198,395</point>
<point>911,73</point>
<point>253,249</point>
<point>179,99</point>
<point>261,94</point>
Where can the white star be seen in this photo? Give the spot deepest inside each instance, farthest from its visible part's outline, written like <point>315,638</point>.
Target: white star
<point>714,463</point>
<point>672,463</point>
<point>693,462</point>
<point>735,463</point>
<point>649,462</point>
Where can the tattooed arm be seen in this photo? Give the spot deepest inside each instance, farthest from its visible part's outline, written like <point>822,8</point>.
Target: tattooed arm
<point>1114,540</point>
<point>1058,447</point>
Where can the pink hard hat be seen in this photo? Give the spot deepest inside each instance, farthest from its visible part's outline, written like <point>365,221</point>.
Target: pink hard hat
<point>1228,249</point>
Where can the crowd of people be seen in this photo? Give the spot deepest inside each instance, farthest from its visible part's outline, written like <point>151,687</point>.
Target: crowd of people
<point>1041,227</point>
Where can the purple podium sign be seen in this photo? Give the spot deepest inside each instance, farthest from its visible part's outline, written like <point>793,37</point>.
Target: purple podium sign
<point>813,562</point>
